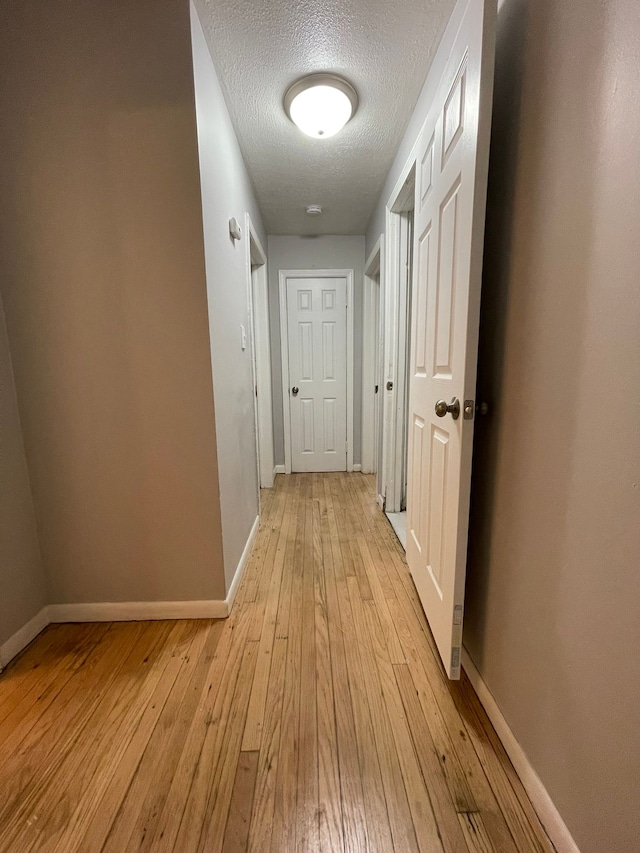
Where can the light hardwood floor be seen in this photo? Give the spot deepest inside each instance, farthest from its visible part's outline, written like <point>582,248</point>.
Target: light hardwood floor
<point>315,718</point>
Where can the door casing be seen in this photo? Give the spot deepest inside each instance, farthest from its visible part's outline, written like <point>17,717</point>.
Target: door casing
<point>258,311</point>
<point>397,286</point>
<point>372,320</point>
<point>284,355</point>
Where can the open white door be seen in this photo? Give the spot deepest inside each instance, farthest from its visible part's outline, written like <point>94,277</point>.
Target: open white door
<point>452,163</point>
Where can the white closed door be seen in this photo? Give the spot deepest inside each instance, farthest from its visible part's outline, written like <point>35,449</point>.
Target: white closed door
<point>317,344</point>
<point>451,175</point>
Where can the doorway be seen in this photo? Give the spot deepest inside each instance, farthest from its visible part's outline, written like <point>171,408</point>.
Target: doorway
<point>372,358</point>
<point>258,310</point>
<point>316,326</point>
<point>397,336</point>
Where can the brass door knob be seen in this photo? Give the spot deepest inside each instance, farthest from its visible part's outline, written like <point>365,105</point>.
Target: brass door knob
<point>453,408</point>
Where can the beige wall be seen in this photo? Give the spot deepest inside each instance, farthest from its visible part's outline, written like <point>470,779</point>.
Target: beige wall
<point>553,604</point>
<point>22,580</point>
<point>102,276</point>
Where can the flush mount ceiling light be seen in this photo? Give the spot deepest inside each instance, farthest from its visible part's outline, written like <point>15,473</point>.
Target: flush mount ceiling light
<point>321,104</point>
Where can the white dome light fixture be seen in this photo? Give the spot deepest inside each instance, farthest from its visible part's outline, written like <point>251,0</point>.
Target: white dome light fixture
<point>321,104</point>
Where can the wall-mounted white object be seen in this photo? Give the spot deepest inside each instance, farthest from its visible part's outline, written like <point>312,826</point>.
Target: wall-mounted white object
<point>234,228</point>
<point>243,338</point>
<point>321,104</point>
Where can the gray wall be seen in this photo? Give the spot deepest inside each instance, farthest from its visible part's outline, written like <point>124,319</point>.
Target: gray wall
<point>22,582</point>
<point>103,282</point>
<point>226,192</point>
<point>552,618</point>
<point>299,253</point>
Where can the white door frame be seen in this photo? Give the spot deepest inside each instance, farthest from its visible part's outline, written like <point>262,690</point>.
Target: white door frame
<point>258,307</point>
<point>371,357</point>
<point>284,355</point>
<point>396,287</point>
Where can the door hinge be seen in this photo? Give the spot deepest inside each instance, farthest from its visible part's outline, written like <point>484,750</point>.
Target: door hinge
<point>455,661</point>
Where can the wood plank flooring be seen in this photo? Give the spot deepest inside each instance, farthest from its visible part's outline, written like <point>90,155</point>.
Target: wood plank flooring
<point>315,718</point>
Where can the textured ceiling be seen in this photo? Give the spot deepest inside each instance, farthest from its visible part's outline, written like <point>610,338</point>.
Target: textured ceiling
<point>260,47</point>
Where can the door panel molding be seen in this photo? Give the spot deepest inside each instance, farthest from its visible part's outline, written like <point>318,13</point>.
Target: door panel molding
<point>283,276</point>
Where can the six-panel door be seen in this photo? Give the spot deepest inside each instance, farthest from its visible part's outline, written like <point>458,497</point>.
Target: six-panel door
<point>451,173</point>
<point>317,335</point>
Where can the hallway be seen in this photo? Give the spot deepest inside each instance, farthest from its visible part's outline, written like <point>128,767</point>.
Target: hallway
<point>307,721</point>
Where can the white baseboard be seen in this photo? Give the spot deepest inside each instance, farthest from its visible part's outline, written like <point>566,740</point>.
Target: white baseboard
<point>242,565</point>
<point>279,469</point>
<point>137,611</point>
<point>380,501</point>
<point>357,467</point>
<point>127,611</point>
<point>23,636</point>
<point>543,804</point>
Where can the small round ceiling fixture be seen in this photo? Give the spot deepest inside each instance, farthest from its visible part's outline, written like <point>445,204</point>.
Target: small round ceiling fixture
<point>313,209</point>
<point>321,104</point>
